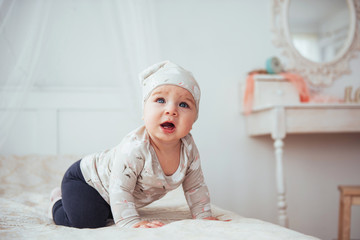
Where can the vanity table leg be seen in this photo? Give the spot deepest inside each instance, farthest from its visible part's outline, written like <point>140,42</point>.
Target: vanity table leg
<point>280,182</point>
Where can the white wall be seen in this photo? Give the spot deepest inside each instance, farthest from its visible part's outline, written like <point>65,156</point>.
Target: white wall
<point>219,41</point>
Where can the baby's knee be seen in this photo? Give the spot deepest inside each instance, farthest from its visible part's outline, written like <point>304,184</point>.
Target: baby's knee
<point>86,222</point>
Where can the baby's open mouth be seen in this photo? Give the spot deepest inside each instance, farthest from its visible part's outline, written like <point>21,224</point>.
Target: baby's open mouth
<point>167,125</point>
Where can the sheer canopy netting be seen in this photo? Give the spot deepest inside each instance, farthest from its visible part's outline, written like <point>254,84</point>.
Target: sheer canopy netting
<point>73,44</point>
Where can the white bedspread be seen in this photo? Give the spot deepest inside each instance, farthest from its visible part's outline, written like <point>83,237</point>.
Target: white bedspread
<point>26,182</point>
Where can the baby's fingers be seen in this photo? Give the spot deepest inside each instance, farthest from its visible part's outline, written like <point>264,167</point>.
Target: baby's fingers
<point>158,223</point>
<point>155,224</point>
<point>144,226</point>
<point>217,219</point>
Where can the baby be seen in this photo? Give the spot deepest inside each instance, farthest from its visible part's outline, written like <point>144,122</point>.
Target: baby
<point>149,162</point>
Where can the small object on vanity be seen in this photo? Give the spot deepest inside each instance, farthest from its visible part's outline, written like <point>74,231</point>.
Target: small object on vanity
<point>348,95</point>
<point>349,195</point>
<point>273,65</point>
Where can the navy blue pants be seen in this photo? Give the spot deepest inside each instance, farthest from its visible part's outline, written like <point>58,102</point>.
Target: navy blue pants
<point>81,205</point>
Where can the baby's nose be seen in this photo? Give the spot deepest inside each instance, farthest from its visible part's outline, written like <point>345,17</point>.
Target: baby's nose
<point>171,110</point>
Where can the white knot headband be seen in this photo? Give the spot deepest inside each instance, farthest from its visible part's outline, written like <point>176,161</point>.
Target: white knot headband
<point>166,72</point>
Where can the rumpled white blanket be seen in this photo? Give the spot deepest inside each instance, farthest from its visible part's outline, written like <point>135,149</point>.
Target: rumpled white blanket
<point>26,181</point>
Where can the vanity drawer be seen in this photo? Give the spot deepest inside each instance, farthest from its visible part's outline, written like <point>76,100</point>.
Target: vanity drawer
<point>273,90</point>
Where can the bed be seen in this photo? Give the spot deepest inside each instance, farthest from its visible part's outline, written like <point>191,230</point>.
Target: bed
<point>24,198</point>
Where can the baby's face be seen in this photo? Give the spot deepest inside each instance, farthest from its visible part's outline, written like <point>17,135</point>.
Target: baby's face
<point>169,113</point>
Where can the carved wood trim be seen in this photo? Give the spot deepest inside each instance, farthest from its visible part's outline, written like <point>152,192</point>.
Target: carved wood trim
<point>317,74</point>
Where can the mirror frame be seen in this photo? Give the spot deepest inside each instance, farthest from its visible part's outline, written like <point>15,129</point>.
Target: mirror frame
<point>315,73</point>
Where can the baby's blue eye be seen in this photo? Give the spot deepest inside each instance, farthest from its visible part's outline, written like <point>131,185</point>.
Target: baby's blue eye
<point>160,100</point>
<point>184,105</point>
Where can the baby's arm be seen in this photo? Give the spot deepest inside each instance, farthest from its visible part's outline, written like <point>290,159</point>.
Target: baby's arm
<point>198,196</point>
<point>121,199</point>
<point>123,179</point>
<point>196,191</point>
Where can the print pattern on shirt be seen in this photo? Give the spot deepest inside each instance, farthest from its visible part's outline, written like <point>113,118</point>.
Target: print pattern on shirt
<point>129,176</point>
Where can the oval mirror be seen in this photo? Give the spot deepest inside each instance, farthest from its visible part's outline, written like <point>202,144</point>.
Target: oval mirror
<point>319,29</point>
<point>318,38</point>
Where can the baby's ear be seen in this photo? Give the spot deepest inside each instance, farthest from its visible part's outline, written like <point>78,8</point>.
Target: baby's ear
<point>143,115</point>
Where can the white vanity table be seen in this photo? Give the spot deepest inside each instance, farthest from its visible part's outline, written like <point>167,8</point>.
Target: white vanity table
<point>276,109</point>
<point>279,120</point>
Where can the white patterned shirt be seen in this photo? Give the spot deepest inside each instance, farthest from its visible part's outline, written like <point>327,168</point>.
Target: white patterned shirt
<point>129,176</point>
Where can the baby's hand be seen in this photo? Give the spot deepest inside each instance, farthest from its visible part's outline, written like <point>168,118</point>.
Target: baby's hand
<point>216,219</point>
<point>147,224</point>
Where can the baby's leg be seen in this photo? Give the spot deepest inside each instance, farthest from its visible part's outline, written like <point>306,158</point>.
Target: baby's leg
<point>81,205</point>
<point>55,196</point>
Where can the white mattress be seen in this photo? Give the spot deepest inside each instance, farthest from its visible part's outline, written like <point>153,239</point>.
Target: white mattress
<point>26,182</point>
